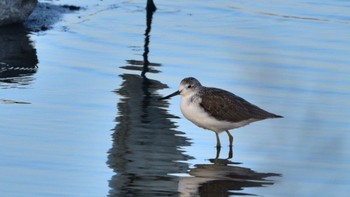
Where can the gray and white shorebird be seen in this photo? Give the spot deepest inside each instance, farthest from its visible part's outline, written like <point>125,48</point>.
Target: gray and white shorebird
<point>216,109</point>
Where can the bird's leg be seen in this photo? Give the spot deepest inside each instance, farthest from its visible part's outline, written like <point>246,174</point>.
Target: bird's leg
<point>218,149</point>
<point>218,144</point>
<point>230,153</point>
<point>230,137</point>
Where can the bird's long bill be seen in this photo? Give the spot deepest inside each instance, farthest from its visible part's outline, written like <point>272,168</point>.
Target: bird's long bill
<point>170,95</point>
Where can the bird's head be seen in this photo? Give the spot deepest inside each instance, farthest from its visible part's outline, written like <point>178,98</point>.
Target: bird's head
<point>188,87</point>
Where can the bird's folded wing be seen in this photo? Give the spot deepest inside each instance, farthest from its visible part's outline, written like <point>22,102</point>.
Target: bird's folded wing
<point>224,105</point>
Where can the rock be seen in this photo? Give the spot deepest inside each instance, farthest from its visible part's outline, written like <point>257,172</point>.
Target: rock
<point>15,11</point>
<point>45,15</point>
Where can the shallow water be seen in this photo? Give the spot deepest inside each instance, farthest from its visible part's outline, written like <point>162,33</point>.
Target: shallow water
<point>85,119</point>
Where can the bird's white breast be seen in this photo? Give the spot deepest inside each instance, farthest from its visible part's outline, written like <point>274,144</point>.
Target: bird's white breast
<point>191,109</point>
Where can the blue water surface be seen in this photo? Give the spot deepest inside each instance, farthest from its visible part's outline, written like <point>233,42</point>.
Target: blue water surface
<point>85,119</point>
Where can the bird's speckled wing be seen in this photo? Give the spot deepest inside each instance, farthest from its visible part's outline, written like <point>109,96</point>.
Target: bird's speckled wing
<point>224,105</point>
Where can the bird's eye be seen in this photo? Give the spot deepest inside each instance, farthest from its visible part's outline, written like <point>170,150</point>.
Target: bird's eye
<point>189,86</point>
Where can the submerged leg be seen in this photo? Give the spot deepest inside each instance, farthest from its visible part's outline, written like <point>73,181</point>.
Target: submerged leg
<point>230,137</point>
<point>218,144</point>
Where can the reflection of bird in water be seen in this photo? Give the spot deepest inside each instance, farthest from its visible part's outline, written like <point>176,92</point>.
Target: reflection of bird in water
<point>216,109</point>
<point>221,177</point>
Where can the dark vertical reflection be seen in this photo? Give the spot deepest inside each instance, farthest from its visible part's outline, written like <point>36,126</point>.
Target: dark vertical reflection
<point>150,9</point>
<point>18,58</point>
<point>146,145</point>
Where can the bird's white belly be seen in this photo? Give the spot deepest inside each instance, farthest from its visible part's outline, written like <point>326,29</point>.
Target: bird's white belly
<point>196,114</point>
